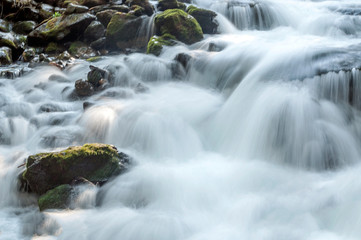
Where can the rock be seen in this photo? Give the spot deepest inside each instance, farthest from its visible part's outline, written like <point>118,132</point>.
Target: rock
<point>137,10</point>
<point>105,16</point>
<point>93,3</point>
<point>52,48</point>
<point>73,8</point>
<point>95,162</point>
<point>81,50</point>
<point>145,4</point>
<point>87,105</point>
<point>4,26</point>
<point>32,14</point>
<point>94,31</point>
<point>28,54</point>
<point>83,88</point>
<point>5,56</point>
<point>178,23</point>
<point>57,198</point>
<point>64,56</point>
<point>58,78</point>
<point>60,29</point>
<point>24,27</point>
<point>98,44</point>
<point>96,75</point>
<point>205,18</point>
<point>170,4</point>
<point>7,40</point>
<point>155,44</point>
<point>183,59</point>
<point>123,32</point>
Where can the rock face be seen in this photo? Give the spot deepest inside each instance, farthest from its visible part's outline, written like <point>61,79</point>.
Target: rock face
<point>95,162</point>
<point>178,23</point>
<point>155,44</point>
<point>61,29</point>
<point>205,18</point>
<point>123,32</point>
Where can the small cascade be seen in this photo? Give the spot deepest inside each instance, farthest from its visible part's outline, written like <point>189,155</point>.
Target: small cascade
<point>246,15</point>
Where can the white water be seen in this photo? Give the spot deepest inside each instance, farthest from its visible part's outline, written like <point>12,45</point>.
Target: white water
<point>260,140</point>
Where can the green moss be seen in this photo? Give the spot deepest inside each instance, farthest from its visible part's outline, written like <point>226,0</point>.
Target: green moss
<point>75,47</point>
<point>57,198</point>
<point>179,24</point>
<point>156,43</point>
<point>94,59</point>
<point>117,23</point>
<point>52,48</point>
<point>7,43</point>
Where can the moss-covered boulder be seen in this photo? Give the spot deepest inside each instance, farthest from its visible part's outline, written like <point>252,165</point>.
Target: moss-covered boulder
<point>180,24</point>
<point>95,162</point>
<point>170,4</point>
<point>5,56</point>
<point>57,198</point>
<point>156,43</point>
<point>60,29</point>
<point>205,18</point>
<point>123,32</point>
<point>24,27</point>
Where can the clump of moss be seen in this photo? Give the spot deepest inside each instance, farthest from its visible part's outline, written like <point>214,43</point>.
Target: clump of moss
<point>4,42</point>
<point>57,198</point>
<point>52,48</point>
<point>156,43</point>
<point>94,59</point>
<point>178,23</point>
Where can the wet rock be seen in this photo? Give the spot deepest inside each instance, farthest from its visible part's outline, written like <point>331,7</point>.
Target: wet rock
<point>32,14</point>
<point>83,88</point>
<point>148,7</point>
<point>178,23</point>
<point>58,78</point>
<point>24,27</point>
<point>99,44</point>
<point>4,26</point>
<point>170,4</point>
<point>123,32</point>
<point>94,31</point>
<point>87,105</point>
<point>57,198</point>
<point>93,3</point>
<point>105,16</point>
<point>205,18</point>
<point>183,59</point>
<point>51,107</point>
<point>61,29</point>
<point>81,50</point>
<point>95,162</point>
<point>97,76</point>
<point>28,54</point>
<point>9,40</point>
<point>73,8</point>
<point>155,44</point>
<point>53,48</point>
<point>5,56</point>
<point>64,56</point>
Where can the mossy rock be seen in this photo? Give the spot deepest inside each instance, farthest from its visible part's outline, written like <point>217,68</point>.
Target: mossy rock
<point>57,198</point>
<point>76,47</point>
<point>60,29</point>
<point>156,43</point>
<point>123,32</point>
<point>5,56</point>
<point>52,48</point>
<point>95,162</point>
<point>170,4</point>
<point>205,18</point>
<point>180,24</point>
<point>24,27</point>
<point>4,26</point>
<point>145,4</point>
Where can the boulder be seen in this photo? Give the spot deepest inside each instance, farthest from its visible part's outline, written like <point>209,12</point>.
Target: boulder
<point>24,27</point>
<point>8,40</point>
<point>123,32</point>
<point>156,43</point>
<point>105,16</point>
<point>180,24</point>
<point>5,56</point>
<point>81,50</point>
<point>205,18</point>
<point>28,54</point>
<point>98,44</point>
<point>97,76</point>
<point>145,4</point>
<point>57,198</point>
<point>170,4</point>
<point>94,31</point>
<point>83,88</point>
<point>60,29</point>
<point>74,8</point>
<point>93,3</point>
<point>95,162</point>
<point>32,14</point>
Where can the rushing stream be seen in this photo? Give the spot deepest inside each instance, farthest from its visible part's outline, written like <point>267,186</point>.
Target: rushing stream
<point>258,139</point>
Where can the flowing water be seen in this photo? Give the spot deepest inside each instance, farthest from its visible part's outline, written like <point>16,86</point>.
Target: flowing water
<point>259,138</point>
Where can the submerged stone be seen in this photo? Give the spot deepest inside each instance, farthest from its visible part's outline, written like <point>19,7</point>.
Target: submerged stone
<point>95,162</point>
